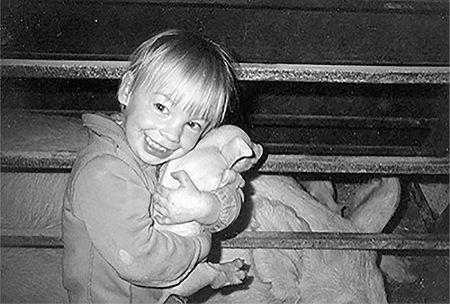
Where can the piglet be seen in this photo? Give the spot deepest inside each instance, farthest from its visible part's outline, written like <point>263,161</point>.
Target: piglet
<point>208,165</point>
<point>280,203</point>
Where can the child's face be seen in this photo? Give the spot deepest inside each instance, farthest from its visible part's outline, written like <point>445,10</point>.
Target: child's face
<point>158,129</point>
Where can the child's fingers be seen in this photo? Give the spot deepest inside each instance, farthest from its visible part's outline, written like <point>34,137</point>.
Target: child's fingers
<point>158,218</point>
<point>182,177</point>
<point>161,207</point>
<point>239,263</point>
<point>242,270</point>
<point>161,215</point>
<point>241,275</point>
<point>162,220</point>
<point>161,192</point>
<point>160,201</point>
<point>160,211</point>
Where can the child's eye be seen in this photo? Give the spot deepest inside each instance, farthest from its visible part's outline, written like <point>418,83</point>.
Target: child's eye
<point>161,108</point>
<point>195,126</point>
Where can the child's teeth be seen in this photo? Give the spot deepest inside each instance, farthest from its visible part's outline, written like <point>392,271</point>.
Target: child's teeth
<point>153,145</point>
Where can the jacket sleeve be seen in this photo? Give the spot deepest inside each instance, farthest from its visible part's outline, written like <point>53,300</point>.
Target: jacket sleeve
<point>114,203</point>
<point>230,199</point>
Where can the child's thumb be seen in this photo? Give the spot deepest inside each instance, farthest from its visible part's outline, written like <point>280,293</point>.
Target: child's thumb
<point>182,177</point>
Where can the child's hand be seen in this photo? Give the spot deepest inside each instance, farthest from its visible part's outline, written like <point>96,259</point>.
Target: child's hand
<point>185,204</point>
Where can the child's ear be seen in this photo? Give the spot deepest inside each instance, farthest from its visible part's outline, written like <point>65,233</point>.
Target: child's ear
<point>125,88</point>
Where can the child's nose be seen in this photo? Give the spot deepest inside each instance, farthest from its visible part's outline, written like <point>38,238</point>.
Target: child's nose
<point>172,131</point>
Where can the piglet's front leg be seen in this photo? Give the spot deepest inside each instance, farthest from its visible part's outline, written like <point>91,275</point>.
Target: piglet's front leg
<point>204,274</point>
<point>225,274</point>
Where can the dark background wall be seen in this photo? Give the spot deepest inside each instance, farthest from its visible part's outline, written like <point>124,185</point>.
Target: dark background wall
<point>315,32</point>
<point>321,32</point>
<point>401,32</point>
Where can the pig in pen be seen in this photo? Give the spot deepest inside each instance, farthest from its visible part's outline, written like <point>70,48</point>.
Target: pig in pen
<point>277,276</point>
<point>280,203</point>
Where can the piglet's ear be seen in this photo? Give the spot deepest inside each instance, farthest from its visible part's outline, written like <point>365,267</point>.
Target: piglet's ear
<point>246,163</point>
<point>236,149</point>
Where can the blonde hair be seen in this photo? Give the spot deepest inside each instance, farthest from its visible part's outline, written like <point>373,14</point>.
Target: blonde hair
<point>195,72</point>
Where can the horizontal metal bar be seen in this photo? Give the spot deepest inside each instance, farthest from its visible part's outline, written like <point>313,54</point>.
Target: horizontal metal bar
<point>246,71</point>
<point>288,163</point>
<point>341,149</point>
<point>422,6</point>
<point>290,120</point>
<point>38,142</point>
<point>350,241</point>
<point>37,159</point>
<point>288,240</point>
<point>356,164</point>
<point>38,241</point>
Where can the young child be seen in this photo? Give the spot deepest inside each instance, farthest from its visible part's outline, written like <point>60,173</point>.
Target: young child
<point>176,89</point>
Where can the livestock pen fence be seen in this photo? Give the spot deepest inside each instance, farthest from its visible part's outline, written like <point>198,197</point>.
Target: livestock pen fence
<point>22,151</point>
<point>45,139</point>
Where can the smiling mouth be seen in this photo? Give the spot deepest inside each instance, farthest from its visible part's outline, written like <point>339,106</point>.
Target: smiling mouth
<point>155,146</point>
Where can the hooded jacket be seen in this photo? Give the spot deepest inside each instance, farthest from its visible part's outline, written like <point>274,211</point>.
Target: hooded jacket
<point>112,252</point>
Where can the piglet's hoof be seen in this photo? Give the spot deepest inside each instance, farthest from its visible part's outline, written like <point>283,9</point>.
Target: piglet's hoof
<point>229,273</point>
